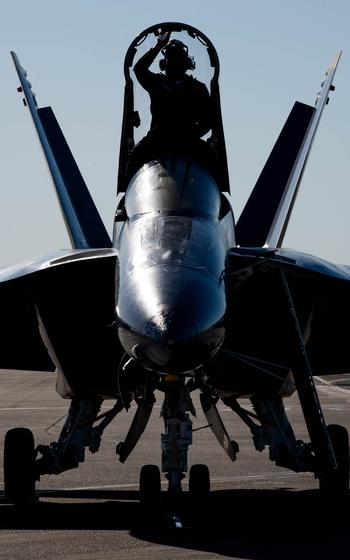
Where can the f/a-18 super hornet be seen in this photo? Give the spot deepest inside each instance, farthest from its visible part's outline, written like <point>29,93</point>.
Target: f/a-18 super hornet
<point>183,298</point>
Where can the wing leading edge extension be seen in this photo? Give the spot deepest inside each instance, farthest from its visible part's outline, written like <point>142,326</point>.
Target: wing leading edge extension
<point>265,217</point>
<point>84,224</point>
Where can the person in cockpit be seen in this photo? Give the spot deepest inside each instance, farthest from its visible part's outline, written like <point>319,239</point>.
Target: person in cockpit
<point>181,106</point>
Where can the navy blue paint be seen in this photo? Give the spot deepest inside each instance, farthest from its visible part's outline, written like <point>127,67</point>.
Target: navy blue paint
<point>259,212</point>
<point>85,211</point>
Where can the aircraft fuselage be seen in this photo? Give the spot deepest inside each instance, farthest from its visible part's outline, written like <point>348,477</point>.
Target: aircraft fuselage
<point>171,299</point>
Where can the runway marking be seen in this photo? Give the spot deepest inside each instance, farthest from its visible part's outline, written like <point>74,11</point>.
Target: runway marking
<point>331,386</point>
<point>26,408</point>
<point>216,480</point>
<point>34,408</point>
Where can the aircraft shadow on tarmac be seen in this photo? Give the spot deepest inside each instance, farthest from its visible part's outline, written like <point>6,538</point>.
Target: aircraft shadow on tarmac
<point>246,523</point>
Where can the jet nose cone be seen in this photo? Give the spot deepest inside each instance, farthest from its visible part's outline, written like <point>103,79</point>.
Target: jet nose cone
<point>178,324</point>
<point>171,326</point>
<point>173,342</point>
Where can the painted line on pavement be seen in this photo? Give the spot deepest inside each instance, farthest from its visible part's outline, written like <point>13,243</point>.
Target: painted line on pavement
<point>331,386</point>
<point>216,480</point>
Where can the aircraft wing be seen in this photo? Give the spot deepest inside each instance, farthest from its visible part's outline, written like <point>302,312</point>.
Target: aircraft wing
<point>321,295</point>
<point>21,346</point>
<point>265,217</point>
<point>83,222</point>
<point>71,295</point>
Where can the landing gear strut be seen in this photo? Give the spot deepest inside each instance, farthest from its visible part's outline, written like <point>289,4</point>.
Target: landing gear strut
<point>177,436</point>
<point>330,444</point>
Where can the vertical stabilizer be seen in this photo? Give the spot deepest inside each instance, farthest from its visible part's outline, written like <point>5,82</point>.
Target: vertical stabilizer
<point>83,222</point>
<point>265,217</point>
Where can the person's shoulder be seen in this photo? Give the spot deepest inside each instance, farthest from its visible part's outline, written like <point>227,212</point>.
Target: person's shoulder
<point>193,80</point>
<point>152,81</point>
<point>195,84</point>
<point>157,78</point>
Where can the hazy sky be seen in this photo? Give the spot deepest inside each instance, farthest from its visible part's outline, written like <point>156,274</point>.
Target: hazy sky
<point>272,53</point>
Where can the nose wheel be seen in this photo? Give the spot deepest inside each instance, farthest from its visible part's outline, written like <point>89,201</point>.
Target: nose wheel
<point>150,489</point>
<point>199,482</point>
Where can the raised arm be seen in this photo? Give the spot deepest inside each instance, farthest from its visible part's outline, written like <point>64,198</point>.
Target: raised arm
<point>141,68</point>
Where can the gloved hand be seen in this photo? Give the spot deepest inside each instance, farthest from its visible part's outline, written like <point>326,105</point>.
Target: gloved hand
<point>163,39</point>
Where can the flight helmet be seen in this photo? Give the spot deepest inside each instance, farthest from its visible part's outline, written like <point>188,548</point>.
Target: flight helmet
<point>176,50</point>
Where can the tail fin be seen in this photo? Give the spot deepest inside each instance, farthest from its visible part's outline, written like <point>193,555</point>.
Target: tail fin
<point>83,222</point>
<point>265,217</point>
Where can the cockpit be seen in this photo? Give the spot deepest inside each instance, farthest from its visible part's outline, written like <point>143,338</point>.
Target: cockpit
<point>210,151</point>
<point>168,186</point>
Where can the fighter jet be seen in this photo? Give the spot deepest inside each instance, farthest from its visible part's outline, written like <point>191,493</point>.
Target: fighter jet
<point>183,298</point>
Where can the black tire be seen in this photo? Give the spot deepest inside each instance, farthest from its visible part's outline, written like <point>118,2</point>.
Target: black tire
<point>19,463</point>
<point>335,484</point>
<point>150,488</point>
<point>199,482</point>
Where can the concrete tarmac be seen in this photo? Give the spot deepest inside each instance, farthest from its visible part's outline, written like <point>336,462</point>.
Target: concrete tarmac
<point>256,510</point>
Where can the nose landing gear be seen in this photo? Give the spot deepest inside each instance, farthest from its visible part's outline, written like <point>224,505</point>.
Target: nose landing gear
<point>175,442</point>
